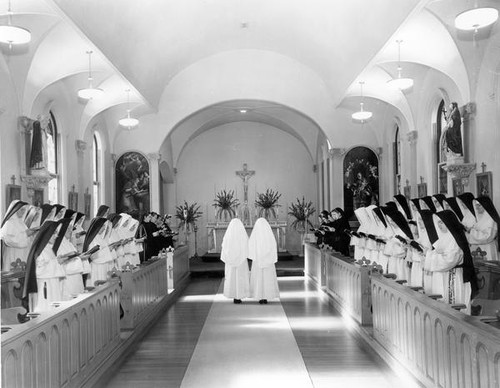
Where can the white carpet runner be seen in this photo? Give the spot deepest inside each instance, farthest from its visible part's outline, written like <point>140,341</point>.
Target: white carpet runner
<point>246,346</point>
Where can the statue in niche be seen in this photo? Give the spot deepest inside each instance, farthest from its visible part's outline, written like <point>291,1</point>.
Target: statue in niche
<point>453,134</point>
<point>41,129</point>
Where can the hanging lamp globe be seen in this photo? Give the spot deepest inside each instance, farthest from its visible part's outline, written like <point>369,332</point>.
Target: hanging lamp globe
<point>362,115</point>
<point>476,18</point>
<point>128,122</point>
<point>13,35</point>
<point>90,93</point>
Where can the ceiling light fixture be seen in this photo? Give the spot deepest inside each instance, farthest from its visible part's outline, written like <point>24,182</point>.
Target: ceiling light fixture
<point>243,111</point>
<point>90,92</point>
<point>476,18</point>
<point>400,82</point>
<point>362,115</point>
<point>13,34</point>
<point>128,122</point>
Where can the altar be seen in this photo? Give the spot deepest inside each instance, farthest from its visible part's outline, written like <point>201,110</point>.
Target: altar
<point>216,230</point>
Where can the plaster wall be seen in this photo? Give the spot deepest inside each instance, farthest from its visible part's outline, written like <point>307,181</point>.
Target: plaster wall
<point>209,163</point>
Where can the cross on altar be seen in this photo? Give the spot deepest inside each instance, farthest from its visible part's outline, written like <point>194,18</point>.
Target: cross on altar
<point>245,174</point>
<point>483,166</point>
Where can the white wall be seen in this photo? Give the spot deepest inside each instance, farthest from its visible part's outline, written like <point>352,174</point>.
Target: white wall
<point>209,163</point>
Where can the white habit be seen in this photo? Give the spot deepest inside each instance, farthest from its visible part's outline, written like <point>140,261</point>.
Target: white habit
<point>263,251</point>
<point>234,254</point>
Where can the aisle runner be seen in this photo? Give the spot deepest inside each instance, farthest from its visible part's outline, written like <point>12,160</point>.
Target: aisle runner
<point>246,346</point>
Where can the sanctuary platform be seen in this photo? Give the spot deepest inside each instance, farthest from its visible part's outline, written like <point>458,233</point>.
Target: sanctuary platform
<point>210,265</point>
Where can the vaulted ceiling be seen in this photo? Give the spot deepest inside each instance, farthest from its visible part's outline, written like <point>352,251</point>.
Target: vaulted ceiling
<point>191,64</point>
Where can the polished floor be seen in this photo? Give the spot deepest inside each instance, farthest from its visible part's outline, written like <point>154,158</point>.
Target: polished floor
<point>205,340</point>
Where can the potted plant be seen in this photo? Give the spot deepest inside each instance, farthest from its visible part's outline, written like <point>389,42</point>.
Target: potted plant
<point>188,215</point>
<point>267,203</point>
<point>301,211</point>
<point>226,204</point>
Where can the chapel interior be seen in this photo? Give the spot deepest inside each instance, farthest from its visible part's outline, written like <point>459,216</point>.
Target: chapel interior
<point>291,98</point>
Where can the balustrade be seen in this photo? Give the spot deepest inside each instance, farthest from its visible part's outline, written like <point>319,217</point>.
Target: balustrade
<point>63,346</point>
<point>440,346</point>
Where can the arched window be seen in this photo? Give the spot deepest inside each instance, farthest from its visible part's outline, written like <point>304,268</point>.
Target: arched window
<point>440,149</point>
<point>397,162</point>
<point>96,171</point>
<point>53,159</point>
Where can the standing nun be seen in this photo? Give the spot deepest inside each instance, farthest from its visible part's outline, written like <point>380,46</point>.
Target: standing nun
<point>15,235</point>
<point>263,252</point>
<point>234,254</point>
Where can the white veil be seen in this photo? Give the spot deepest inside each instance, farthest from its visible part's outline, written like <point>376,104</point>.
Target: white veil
<point>234,243</point>
<point>262,247</point>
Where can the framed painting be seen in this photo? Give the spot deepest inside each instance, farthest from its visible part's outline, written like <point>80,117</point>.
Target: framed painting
<point>407,192</point>
<point>13,193</point>
<point>458,187</point>
<point>38,197</point>
<point>87,199</point>
<point>421,190</point>
<point>73,200</point>
<point>484,184</point>
<point>132,184</point>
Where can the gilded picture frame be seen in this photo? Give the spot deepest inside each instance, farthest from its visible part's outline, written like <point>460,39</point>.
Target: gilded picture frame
<point>13,193</point>
<point>484,184</point>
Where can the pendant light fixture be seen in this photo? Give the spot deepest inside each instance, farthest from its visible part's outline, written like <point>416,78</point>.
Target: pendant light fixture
<point>90,92</point>
<point>11,34</point>
<point>400,82</point>
<point>362,115</point>
<point>128,122</point>
<point>476,18</point>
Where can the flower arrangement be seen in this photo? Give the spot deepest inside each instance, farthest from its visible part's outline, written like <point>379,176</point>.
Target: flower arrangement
<point>267,203</point>
<point>226,204</point>
<point>188,214</point>
<point>301,210</point>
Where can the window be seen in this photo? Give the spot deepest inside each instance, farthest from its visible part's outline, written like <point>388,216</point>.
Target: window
<point>397,162</point>
<point>440,149</point>
<point>96,171</point>
<point>52,159</point>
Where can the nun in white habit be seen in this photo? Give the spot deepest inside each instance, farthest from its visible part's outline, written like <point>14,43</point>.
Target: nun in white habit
<point>263,252</point>
<point>234,254</point>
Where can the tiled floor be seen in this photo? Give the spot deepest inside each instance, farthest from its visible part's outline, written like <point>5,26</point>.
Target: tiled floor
<point>205,340</point>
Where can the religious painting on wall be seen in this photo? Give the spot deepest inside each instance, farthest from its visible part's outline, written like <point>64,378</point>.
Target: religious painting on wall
<point>421,190</point>
<point>13,193</point>
<point>360,179</point>
<point>87,200</point>
<point>73,200</point>
<point>407,192</point>
<point>458,187</point>
<point>38,197</point>
<point>484,184</point>
<point>132,184</point>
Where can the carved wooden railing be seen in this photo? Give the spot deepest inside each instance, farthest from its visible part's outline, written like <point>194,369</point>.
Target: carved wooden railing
<point>313,259</point>
<point>61,348</point>
<point>349,284</point>
<point>141,288</point>
<point>181,264</point>
<point>440,346</point>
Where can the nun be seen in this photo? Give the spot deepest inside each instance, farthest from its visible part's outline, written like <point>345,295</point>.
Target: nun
<point>263,251</point>
<point>70,260</point>
<point>483,235</point>
<point>44,274</point>
<point>453,275</point>
<point>234,254</point>
<point>101,261</point>
<point>15,235</point>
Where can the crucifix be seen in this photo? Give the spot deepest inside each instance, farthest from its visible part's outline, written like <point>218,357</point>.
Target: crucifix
<point>421,179</point>
<point>483,166</point>
<point>245,174</point>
